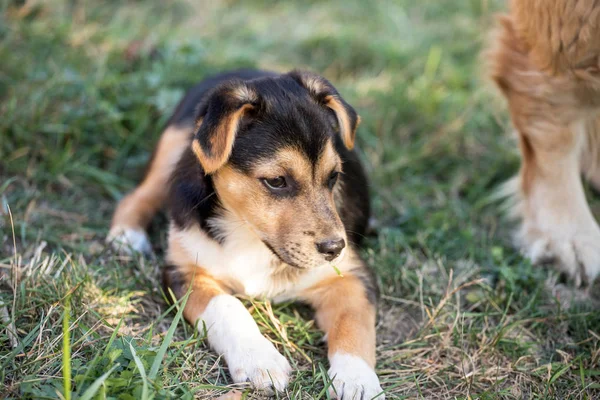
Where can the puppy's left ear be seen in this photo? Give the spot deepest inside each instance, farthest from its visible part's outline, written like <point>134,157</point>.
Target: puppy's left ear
<point>218,121</point>
<point>324,93</point>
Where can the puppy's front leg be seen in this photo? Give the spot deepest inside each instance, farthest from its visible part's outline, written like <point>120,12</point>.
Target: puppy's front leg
<point>135,211</point>
<point>231,331</point>
<point>347,316</point>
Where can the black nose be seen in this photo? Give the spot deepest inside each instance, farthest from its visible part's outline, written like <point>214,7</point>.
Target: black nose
<point>331,248</point>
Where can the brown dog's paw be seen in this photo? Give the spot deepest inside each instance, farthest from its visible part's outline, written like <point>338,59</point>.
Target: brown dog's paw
<point>578,255</point>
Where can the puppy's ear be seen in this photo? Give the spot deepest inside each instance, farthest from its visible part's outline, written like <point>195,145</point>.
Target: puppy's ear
<point>324,93</point>
<point>217,123</point>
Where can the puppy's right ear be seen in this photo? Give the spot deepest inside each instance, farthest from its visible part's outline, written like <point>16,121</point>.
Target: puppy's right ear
<point>323,92</point>
<point>217,123</point>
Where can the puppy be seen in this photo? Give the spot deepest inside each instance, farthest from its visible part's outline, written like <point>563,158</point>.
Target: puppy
<point>545,58</point>
<point>266,197</point>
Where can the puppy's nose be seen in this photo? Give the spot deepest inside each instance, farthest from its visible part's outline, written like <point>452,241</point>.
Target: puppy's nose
<point>331,248</point>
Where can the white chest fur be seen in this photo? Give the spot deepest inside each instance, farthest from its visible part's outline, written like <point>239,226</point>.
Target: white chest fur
<point>244,259</point>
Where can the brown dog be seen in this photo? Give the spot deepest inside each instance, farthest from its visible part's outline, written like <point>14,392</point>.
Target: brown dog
<point>546,60</point>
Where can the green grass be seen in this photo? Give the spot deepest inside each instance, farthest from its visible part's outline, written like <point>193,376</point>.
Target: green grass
<point>85,88</point>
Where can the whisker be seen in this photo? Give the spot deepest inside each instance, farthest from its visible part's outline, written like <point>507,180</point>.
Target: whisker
<point>202,201</point>
<point>357,233</point>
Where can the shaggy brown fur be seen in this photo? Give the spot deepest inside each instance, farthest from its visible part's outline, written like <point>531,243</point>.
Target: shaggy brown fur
<point>546,60</point>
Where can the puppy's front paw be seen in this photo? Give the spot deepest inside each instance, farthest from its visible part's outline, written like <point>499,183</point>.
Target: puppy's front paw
<point>129,240</point>
<point>353,379</point>
<point>257,361</point>
<point>578,255</point>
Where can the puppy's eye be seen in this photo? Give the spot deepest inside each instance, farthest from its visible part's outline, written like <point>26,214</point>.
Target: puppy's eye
<point>333,179</point>
<point>275,183</point>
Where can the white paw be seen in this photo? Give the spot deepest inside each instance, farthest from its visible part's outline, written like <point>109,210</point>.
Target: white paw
<point>257,361</point>
<point>249,355</point>
<point>578,255</point>
<point>129,240</point>
<point>353,379</point>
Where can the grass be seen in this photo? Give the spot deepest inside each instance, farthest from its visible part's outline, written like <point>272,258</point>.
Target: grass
<point>85,88</point>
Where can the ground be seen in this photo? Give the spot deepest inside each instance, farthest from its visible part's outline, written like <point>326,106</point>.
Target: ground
<point>85,87</point>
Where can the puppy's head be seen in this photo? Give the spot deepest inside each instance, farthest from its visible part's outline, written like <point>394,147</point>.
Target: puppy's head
<point>269,145</point>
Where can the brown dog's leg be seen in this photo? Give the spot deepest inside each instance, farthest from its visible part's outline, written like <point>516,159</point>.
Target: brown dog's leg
<point>347,317</point>
<point>557,221</point>
<point>134,212</point>
<point>549,104</point>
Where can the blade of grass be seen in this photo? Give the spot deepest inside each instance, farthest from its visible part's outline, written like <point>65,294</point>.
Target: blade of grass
<point>327,383</point>
<point>66,359</point>
<point>24,343</point>
<point>98,356</point>
<point>94,387</point>
<point>558,373</point>
<point>112,338</point>
<point>167,340</point>
<point>140,367</point>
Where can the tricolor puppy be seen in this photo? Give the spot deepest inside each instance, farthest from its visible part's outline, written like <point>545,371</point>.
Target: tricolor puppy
<point>266,197</point>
